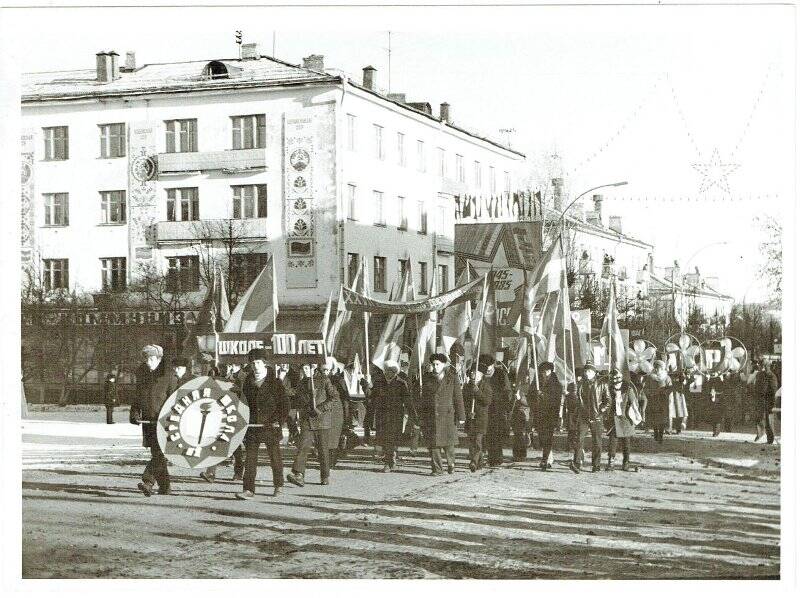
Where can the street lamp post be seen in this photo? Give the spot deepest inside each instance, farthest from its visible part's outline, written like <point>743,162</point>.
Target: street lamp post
<point>572,203</point>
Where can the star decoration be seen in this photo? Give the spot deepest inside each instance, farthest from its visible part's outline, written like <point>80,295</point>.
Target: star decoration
<point>715,173</point>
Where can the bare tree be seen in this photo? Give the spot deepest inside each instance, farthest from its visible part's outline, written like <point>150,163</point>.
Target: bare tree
<point>771,247</point>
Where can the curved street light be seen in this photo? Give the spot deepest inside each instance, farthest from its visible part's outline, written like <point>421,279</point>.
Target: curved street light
<point>572,203</point>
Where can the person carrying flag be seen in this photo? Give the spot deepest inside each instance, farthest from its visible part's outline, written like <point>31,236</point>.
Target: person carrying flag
<point>478,395</point>
<point>624,414</point>
<point>547,404</point>
<point>586,408</point>
<point>392,402</point>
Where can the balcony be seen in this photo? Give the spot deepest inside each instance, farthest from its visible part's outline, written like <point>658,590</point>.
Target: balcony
<point>229,161</point>
<point>219,229</point>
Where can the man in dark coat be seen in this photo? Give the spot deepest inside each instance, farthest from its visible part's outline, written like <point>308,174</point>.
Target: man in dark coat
<point>440,405</point>
<point>478,395</point>
<point>657,386</point>
<point>765,387</point>
<point>497,425</point>
<point>266,398</point>
<point>392,401</point>
<point>315,399</point>
<point>624,415</point>
<point>586,409</point>
<point>153,387</point>
<point>717,392</point>
<point>110,395</point>
<point>334,435</point>
<point>547,406</point>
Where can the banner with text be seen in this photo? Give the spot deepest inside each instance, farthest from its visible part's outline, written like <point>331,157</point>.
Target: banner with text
<point>281,347</point>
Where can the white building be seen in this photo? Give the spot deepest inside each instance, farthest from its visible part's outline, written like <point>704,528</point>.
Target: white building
<point>126,166</point>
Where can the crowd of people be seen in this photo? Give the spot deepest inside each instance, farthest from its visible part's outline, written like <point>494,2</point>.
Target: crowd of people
<point>321,415</point>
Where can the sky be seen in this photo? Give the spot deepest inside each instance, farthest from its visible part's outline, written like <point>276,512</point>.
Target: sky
<point>693,106</point>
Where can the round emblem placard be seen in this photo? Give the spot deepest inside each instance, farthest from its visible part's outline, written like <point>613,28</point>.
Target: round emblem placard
<point>143,168</point>
<point>26,173</point>
<point>299,159</point>
<point>202,423</point>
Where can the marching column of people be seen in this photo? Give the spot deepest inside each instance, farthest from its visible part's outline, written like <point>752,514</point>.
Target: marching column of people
<point>320,413</point>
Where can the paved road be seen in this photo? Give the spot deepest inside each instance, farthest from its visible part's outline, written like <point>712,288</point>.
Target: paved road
<point>681,516</point>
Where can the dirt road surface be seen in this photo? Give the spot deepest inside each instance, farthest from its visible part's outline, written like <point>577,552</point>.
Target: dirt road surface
<point>698,508</point>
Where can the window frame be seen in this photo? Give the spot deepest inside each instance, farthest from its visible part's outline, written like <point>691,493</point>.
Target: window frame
<point>192,267</point>
<point>56,204</point>
<point>423,278</point>
<point>352,202</point>
<point>106,137</point>
<point>49,273</point>
<point>107,207</point>
<point>421,161</point>
<point>422,222</point>
<point>401,149</point>
<point>352,268</point>
<point>174,136</point>
<point>402,223</point>
<point>379,215</point>
<point>460,168</point>
<point>380,154</point>
<point>378,274</point>
<point>239,198</point>
<point>250,265</point>
<point>443,278</point>
<point>351,132</point>
<point>51,143</point>
<point>257,132</point>
<point>178,203</point>
<point>112,268</point>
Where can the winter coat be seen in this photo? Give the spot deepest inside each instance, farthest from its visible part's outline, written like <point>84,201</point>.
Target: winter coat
<point>677,398</point>
<point>323,395</point>
<point>340,384</point>
<point>657,393</point>
<point>624,404</point>
<point>110,391</point>
<point>546,402</point>
<point>153,387</point>
<point>765,387</point>
<point>392,401</point>
<point>589,403</point>
<point>440,403</point>
<point>481,395</point>
<point>268,404</point>
<point>337,418</point>
<point>500,407</point>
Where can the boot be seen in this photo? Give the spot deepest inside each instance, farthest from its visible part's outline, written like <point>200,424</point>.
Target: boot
<point>146,488</point>
<point>574,467</point>
<point>626,466</point>
<point>296,479</point>
<point>611,464</point>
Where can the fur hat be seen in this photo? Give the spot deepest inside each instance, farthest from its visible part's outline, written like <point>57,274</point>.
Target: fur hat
<point>438,357</point>
<point>152,351</point>
<point>257,353</point>
<point>179,362</point>
<point>391,364</point>
<point>614,377</point>
<point>589,366</point>
<point>546,365</point>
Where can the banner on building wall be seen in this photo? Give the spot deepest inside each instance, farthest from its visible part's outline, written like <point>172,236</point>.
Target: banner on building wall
<point>508,248</point>
<point>27,199</point>
<point>142,200</point>
<point>298,208</point>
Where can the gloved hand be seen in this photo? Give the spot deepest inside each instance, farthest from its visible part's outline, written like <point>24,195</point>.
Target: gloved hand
<point>134,417</point>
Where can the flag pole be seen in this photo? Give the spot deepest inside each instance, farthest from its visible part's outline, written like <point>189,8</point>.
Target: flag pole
<point>368,359</point>
<point>274,297</point>
<point>477,348</point>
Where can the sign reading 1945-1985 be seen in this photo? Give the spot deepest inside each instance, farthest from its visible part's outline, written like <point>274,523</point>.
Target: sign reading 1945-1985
<point>282,347</point>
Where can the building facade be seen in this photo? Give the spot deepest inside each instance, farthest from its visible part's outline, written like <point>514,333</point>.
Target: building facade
<point>166,167</point>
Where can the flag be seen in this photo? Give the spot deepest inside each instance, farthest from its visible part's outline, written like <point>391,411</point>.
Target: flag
<point>521,366</point>
<point>545,278</point>
<point>224,311</point>
<point>456,319</point>
<point>426,333</point>
<point>325,326</point>
<point>212,316</point>
<point>611,337</point>
<point>389,343</point>
<point>488,334</point>
<point>258,307</point>
<point>347,333</point>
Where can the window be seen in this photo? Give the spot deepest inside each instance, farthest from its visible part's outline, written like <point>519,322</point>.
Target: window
<point>249,201</point>
<point>402,268</point>
<point>115,273</point>
<point>402,219</point>
<point>112,207</point>
<point>478,182</point>
<point>444,281</point>
<point>183,204</point>
<point>351,132</point>
<point>377,200</point>
<point>183,273</point>
<point>56,274</point>
<point>420,155</point>
<point>351,202</point>
<point>401,149</point>
<point>245,267</point>
<point>56,209</point>
<point>507,182</point>
<point>378,142</point>
<point>423,278</point>
<point>112,140</point>
<point>181,135</point>
<point>492,181</point>
<point>441,217</point>
<point>249,132</point>
<point>352,268</point>
<point>460,168</point>
<point>442,162</point>
<point>379,274</point>
<point>422,226</point>
<point>56,143</point>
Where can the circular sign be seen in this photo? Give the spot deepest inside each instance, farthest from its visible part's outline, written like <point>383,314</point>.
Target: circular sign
<point>299,159</point>
<point>143,168</point>
<point>202,423</point>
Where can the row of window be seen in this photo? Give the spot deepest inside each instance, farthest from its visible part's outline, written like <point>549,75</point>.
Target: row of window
<point>183,272</point>
<point>379,274</point>
<point>442,162</point>
<point>398,213</point>
<point>248,132</point>
<point>183,204</point>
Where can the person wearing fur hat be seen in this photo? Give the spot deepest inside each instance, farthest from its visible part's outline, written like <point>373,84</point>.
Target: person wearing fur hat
<point>586,408</point>
<point>478,395</point>
<point>497,428</point>
<point>657,386</point>
<point>392,403</point>
<point>153,387</point>
<point>266,397</point>
<point>625,415</point>
<point>547,404</point>
<point>441,404</point>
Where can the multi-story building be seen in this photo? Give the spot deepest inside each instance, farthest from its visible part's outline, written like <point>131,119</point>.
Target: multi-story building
<point>127,167</point>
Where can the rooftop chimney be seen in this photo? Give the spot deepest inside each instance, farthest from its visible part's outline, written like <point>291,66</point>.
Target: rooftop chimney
<point>130,62</point>
<point>444,112</point>
<point>558,190</point>
<point>615,223</point>
<point>369,77</point>
<point>315,62</point>
<point>422,107</point>
<point>397,97</point>
<point>107,66</point>
<point>598,207</point>
<point>250,51</point>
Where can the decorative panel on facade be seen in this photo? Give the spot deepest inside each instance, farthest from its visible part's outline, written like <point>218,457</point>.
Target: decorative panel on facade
<point>142,168</point>
<point>228,160</point>
<point>27,202</point>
